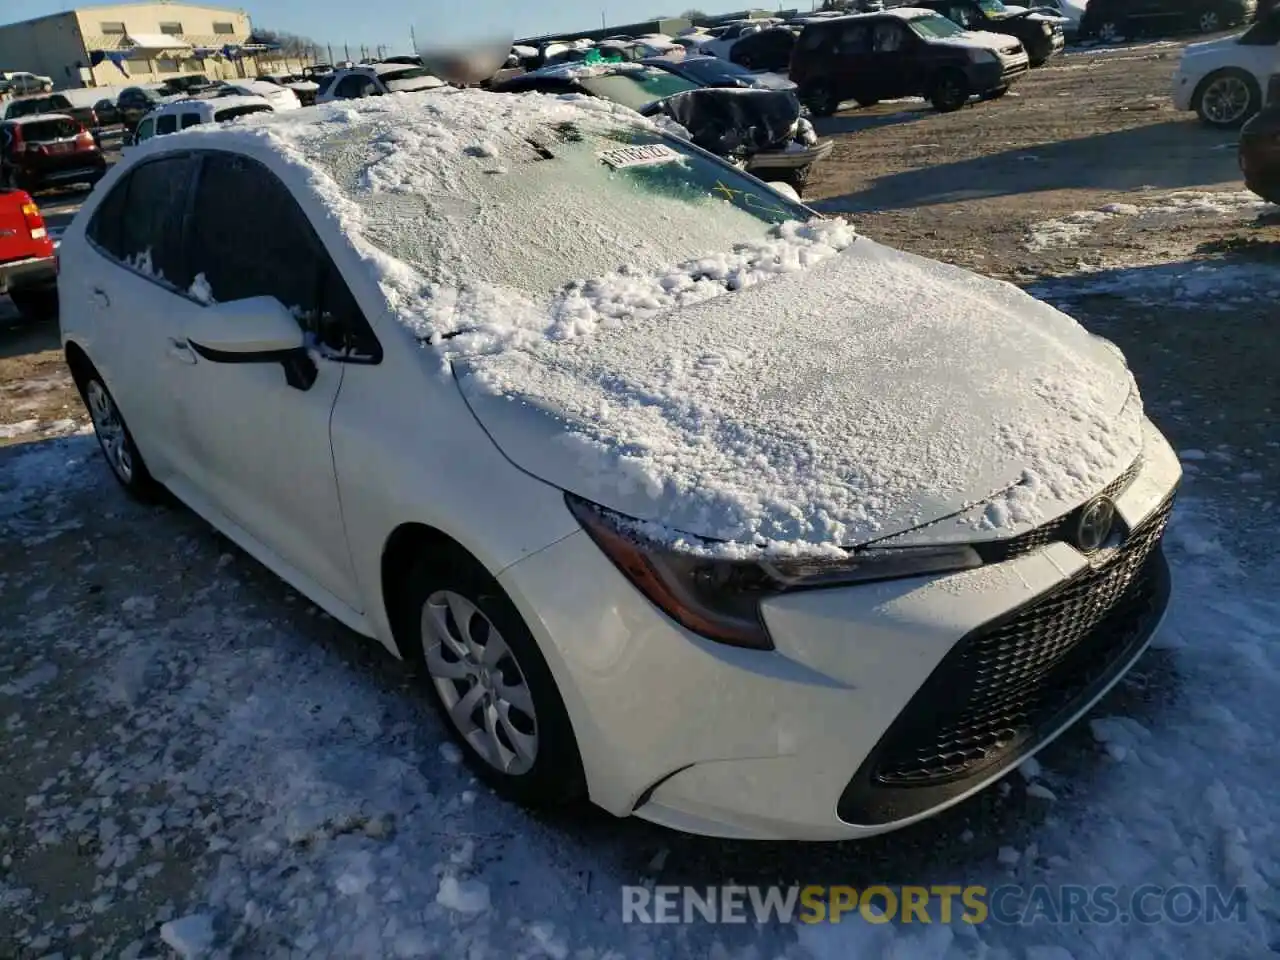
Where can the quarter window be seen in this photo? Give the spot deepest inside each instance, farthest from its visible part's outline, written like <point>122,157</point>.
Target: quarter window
<point>190,120</point>
<point>287,261</point>
<point>146,130</point>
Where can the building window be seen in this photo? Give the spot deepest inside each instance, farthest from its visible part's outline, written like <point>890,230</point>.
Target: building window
<point>171,29</point>
<point>112,27</point>
<point>224,29</point>
<point>167,66</point>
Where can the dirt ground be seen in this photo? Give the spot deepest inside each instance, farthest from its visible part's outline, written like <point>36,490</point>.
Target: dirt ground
<point>1014,188</point>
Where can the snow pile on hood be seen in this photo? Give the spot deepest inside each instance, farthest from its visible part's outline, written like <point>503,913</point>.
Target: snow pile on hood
<point>479,319</point>
<point>868,395</point>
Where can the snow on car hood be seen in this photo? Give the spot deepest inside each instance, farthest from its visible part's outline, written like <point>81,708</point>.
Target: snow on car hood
<point>836,404</point>
<point>1210,47</point>
<point>997,42</point>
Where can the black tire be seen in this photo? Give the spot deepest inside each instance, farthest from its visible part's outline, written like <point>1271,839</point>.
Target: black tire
<point>821,99</point>
<point>1038,54</point>
<point>556,777</point>
<point>1210,98</point>
<point>36,305</point>
<point>950,91</point>
<point>136,479</point>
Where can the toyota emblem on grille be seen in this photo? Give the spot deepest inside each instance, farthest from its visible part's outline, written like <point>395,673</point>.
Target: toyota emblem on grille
<point>1096,520</point>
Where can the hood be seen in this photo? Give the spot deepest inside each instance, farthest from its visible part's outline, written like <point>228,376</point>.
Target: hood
<point>857,399</point>
<point>1000,43</point>
<point>1210,47</point>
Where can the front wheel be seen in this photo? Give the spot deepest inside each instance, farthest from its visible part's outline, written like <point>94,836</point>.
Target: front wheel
<point>950,91</point>
<point>821,100</point>
<point>1227,99</point>
<point>1109,31</point>
<point>1209,22</point>
<point>490,682</point>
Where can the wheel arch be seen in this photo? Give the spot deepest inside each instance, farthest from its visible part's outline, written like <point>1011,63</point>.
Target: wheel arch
<point>1213,74</point>
<point>403,546</point>
<point>80,365</point>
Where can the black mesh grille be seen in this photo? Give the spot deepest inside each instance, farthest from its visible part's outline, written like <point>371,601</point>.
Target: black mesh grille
<point>1055,531</point>
<point>999,686</point>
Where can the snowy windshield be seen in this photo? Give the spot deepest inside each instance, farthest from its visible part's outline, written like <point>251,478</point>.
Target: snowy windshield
<point>934,27</point>
<point>636,89</point>
<point>544,207</point>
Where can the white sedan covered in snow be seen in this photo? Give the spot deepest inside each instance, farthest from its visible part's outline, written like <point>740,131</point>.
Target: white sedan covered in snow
<point>694,503</point>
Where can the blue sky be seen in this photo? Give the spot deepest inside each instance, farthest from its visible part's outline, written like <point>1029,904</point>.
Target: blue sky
<point>373,22</point>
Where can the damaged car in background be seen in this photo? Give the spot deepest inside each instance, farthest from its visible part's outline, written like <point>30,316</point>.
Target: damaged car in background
<point>762,131</point>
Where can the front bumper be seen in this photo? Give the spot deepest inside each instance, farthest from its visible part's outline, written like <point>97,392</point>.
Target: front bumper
<point>27,273</point>
<point>790,159</point>
<point>739,743</point>
<point>1182,90</point>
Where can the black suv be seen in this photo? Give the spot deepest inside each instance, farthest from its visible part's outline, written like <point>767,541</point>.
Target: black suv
<point>1111,20</point>
<point>1041,35</point>
<point>907,52</point>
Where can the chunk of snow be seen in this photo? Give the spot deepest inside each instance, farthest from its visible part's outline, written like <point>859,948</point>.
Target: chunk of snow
<point>464,896</point>
<point>1008,856</point>
<point>192,936</point>
<point>1192,454</point>
<point>450,753</point>
<point>1029,768</point>
<point>1041,792</point>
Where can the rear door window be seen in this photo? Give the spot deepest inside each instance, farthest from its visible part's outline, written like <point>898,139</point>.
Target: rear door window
<point>140,223</point>
<point>166,124</point>
<point>190,120</point>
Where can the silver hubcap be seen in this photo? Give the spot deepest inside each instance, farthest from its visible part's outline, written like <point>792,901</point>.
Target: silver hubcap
<point>1109,32</point>
<point>110,430</point>
<point>1226,100</point>
<point>1208,22</point>
<point>480,683</point>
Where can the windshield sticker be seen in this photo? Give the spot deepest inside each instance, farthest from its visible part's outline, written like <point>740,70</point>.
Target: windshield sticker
<point>642,156</point>
<point>749,200</point>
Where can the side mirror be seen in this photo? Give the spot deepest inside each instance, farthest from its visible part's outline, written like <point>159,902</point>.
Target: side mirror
<point>256,330</point>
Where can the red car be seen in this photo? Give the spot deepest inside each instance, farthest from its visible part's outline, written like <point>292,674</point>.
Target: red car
<point>28,266</point>
<point>48,150</point>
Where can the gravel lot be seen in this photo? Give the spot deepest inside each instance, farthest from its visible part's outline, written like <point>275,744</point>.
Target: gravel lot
<point>184,734</point>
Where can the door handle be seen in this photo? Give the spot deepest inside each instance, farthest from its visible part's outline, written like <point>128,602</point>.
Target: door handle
<point>100,297</point>
<point>181,350</point>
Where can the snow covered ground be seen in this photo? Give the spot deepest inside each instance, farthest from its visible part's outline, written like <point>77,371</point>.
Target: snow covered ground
<point>203,760</point>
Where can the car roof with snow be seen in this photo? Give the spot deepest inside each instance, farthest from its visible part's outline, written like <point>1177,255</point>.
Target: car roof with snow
<point>38,118</point>
<point>902,13</point>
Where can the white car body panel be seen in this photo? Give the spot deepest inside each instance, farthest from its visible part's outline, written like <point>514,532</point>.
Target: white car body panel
<point>804,715</point>
<point>1201,59</point>
<point>396,443</point>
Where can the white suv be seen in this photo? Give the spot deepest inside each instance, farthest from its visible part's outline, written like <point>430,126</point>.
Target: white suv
<point>376,79</point>
<point>181,114</point>
<point>1225,80</point>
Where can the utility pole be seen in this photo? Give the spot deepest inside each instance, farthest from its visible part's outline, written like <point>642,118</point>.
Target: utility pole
<point>603,25</point>
<point>346,52</point>
<point>330,48</point>
<point>413,39</point>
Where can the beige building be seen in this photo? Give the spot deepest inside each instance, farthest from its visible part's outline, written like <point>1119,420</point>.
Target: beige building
<point>136,43</point>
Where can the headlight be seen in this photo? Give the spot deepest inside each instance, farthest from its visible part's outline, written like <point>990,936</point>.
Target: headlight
<point>983,56</point>
<point>720,598</point>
